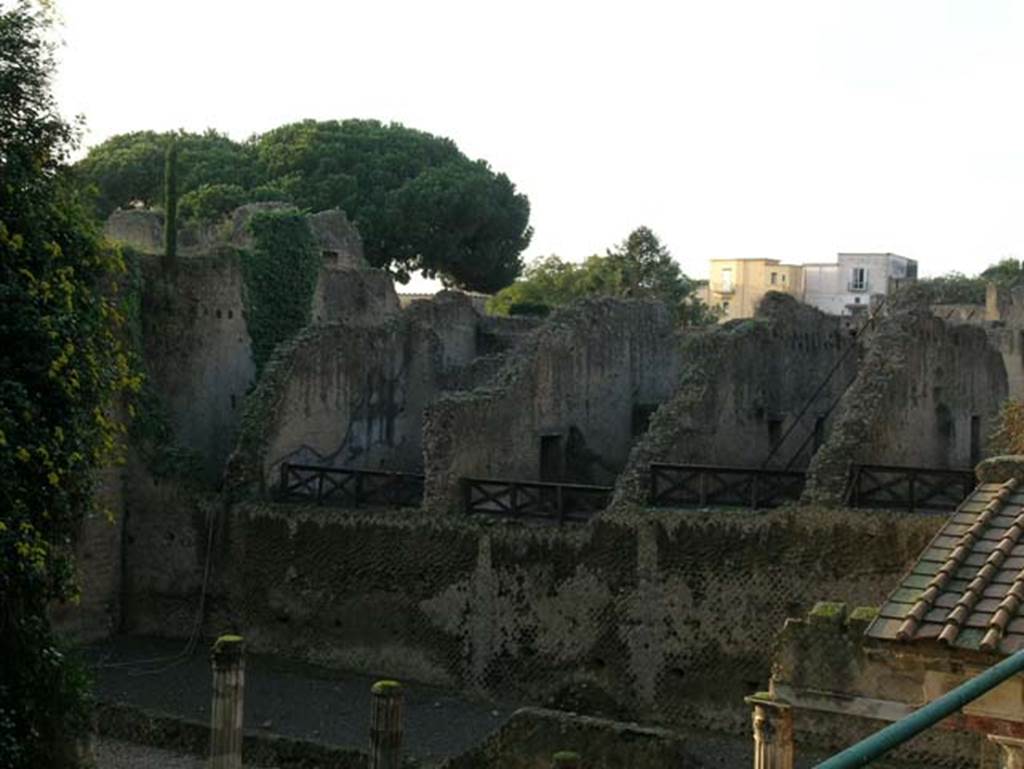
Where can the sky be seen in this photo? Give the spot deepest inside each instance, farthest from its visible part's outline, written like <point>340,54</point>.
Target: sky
<point>791,129</point>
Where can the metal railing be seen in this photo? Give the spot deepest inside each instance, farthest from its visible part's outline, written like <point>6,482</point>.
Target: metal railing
<point>347,487</point>
<point>534,499</point>
<point>880,743</point>
<point>912,488</point>
<point>688,485</point>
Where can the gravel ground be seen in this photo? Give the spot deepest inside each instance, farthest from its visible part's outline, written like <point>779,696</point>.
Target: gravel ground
<point>114,754</point>
<point>289,698</point>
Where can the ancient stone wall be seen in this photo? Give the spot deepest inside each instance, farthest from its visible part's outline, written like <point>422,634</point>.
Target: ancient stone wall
<point>197,350</point>
<point>927,395</point>
<point>752,391</point>
<point>653,614</point>
<point>354,395</point>
<point>578,389</point>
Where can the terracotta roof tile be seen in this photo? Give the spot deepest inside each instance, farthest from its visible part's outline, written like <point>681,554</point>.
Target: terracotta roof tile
<point>967,588</point>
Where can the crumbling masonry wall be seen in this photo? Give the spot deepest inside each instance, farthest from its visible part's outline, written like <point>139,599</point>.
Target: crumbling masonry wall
<point>927,395</point>
<point>585,379</point>
<point>354,396</point>
<point>749,388</point>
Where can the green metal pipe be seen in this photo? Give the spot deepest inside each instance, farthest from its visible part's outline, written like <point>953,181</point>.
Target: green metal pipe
<point>867,750</point>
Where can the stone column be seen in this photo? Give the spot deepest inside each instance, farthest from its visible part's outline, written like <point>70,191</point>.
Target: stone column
<point>386,725</point>
<point>1011,751</point>
<point>773,735</point>
<point>565,759</point>
<point>228,658</point>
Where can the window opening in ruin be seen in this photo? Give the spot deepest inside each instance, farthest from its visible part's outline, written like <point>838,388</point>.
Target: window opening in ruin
<point>551,458</point>
<point>231,314</point>
<point>330,257</point>
<point>783,278</point>
<point>725,308</point>
<point>975,440</point>
<point>775,278</point>
<point>774,432</point>
<point>218,313</point>
<point>859,279</point>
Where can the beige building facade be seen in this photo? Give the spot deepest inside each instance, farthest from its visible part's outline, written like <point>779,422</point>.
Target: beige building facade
<point>736,286</point>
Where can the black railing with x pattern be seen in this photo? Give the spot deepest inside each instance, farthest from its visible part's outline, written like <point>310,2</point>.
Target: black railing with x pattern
<point>709,485</point>
<point>345,487</point>
<point>911,488</point>
<point>534,499</point>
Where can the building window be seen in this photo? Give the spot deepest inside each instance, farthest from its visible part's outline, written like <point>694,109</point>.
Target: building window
<point>725,309</point>
<point>727,284</point>
<point>774,278</point>
<point>859,279</point>
<point>783,279</point>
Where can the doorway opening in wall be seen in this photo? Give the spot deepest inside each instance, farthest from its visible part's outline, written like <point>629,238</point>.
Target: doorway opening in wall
<point>975,440</point>
<point>819,433</point>
<point>552,458</point>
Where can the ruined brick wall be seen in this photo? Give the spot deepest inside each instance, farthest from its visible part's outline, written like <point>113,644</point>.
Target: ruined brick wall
<point>354,395</point>
<point>927,395</point>
<point>653,614</point>
<point>749,387</point>
<point>582,379</point>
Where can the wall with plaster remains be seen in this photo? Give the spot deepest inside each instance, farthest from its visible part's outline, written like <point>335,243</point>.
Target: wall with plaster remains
<point>354,395</point>
<point>927,395</point>
<point>585,381</point>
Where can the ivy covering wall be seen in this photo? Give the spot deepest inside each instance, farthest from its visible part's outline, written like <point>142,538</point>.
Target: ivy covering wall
<point>280,273</point>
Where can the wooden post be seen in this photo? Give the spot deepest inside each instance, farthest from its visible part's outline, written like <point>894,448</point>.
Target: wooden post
<point>385,725</point>
<point>773,735</point>
<point>565,759</point>
<point>228,662</point>
<point>1011,751</point>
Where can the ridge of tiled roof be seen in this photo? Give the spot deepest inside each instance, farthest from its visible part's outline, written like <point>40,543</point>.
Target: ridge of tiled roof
<point>967,587</point>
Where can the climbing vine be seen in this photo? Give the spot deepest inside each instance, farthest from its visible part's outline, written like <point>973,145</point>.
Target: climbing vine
<point>280,273</point>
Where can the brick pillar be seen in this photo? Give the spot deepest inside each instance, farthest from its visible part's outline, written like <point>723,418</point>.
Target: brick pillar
<point>228,659</point>
<point>773,735</point>
<point>1011,751</point>
<point>386,725</point>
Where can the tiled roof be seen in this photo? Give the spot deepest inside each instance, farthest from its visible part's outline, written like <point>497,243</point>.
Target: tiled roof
<point>967,588</point>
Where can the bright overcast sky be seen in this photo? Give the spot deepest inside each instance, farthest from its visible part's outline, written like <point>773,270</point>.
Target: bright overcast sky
<point>781,129</point>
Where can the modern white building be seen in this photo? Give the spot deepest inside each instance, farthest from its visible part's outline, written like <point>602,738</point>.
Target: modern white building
<point>846,286</point>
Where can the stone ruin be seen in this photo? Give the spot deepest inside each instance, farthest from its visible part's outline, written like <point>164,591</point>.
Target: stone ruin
<point>667,615</point>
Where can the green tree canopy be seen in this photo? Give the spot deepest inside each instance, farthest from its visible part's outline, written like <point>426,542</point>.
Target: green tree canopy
<point>641,266</point>
<point>420,204</point>
<point>62,364</point>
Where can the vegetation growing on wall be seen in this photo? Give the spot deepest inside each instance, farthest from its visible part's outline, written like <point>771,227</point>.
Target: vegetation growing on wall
<point>280,274</point>
<point>639,267</point>
<point>1008,436</point>
<point>63,367</point>
<point>419,203</point>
